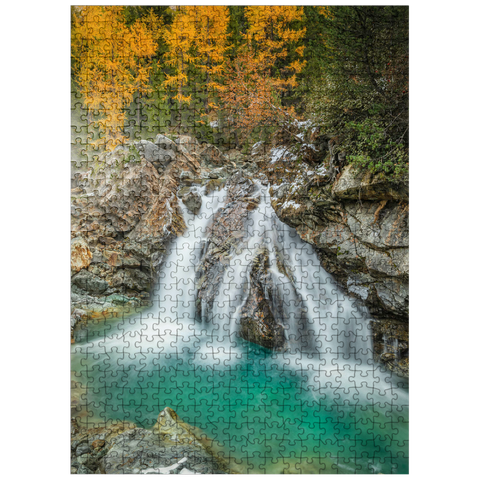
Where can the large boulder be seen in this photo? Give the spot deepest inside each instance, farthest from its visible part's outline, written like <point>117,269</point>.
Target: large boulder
<point>160,154</point>
<point>193,202</point>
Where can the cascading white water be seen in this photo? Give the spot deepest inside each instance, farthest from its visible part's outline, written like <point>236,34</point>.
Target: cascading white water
<point>325,329</point>
<point>324,321</point>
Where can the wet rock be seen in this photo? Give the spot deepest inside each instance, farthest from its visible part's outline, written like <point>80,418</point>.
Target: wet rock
<point>183,191</point>
<point>214,184</point>
<point>193,202</point>
<point>260,313</point>
<point>391,345</point>
<point>224,236</point>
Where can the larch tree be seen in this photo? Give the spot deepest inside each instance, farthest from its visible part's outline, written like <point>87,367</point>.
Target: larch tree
<point>267,64</point>
<point>150,26</point>
<point>211,47</point>
<point>179,38</point>
<point>197,41</point>
<point>111,62</point>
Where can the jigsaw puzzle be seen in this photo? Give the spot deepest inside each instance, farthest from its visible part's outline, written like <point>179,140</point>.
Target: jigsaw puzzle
<point>239,247</point>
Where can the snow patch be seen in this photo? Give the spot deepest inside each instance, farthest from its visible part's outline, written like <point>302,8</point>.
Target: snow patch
<point>292,204</point>
<point>303,124</point>
<point>281,153</point>
<point>294,187</point>
<point>165,470</point>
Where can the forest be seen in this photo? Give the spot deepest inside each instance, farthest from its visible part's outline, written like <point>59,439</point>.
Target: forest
<point>235,75</point>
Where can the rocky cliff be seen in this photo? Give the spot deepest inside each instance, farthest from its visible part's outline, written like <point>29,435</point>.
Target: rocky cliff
<point>359,224</point>
<point>125,210</point>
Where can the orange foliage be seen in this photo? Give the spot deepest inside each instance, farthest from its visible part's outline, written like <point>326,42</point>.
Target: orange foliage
<point>197,41</point>
<point>112,63</point>
<point>254,83</point>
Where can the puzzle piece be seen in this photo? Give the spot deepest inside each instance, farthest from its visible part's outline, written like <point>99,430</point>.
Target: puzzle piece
<point>239,267</point>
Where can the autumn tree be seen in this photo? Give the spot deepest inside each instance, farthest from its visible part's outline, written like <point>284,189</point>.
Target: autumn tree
<point>111,62</point>
<point>268,61</point>
<point>211,46</point>
<point>150,25</point>
<point>197,41</point>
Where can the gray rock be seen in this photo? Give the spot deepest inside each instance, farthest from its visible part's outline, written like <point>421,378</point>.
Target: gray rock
<point>193,202</point>
<point>393,294</point>
<point>170,447</point>
<point>132,279</point>
<point>360,285</point>
<point>165,143</point>
<point>89,282</point>
<point>211,156</point>
<point>260,148</point>
<point>190,144</point>
<point>83,470</point>
<point>87,460</point>
<point>82,449</point>
<point>159,154</point>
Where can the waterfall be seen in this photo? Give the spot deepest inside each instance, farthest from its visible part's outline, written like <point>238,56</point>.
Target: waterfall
<point>324,328</point>
<point>318,318</point>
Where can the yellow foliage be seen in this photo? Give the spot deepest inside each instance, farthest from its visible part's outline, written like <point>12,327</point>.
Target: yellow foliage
<point>197,39</point>
<point>112,63</point>
<point>254,87</point>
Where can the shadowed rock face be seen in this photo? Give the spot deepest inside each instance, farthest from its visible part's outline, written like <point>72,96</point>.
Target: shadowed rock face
<point>260,315</point>
<point>364,243</point>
